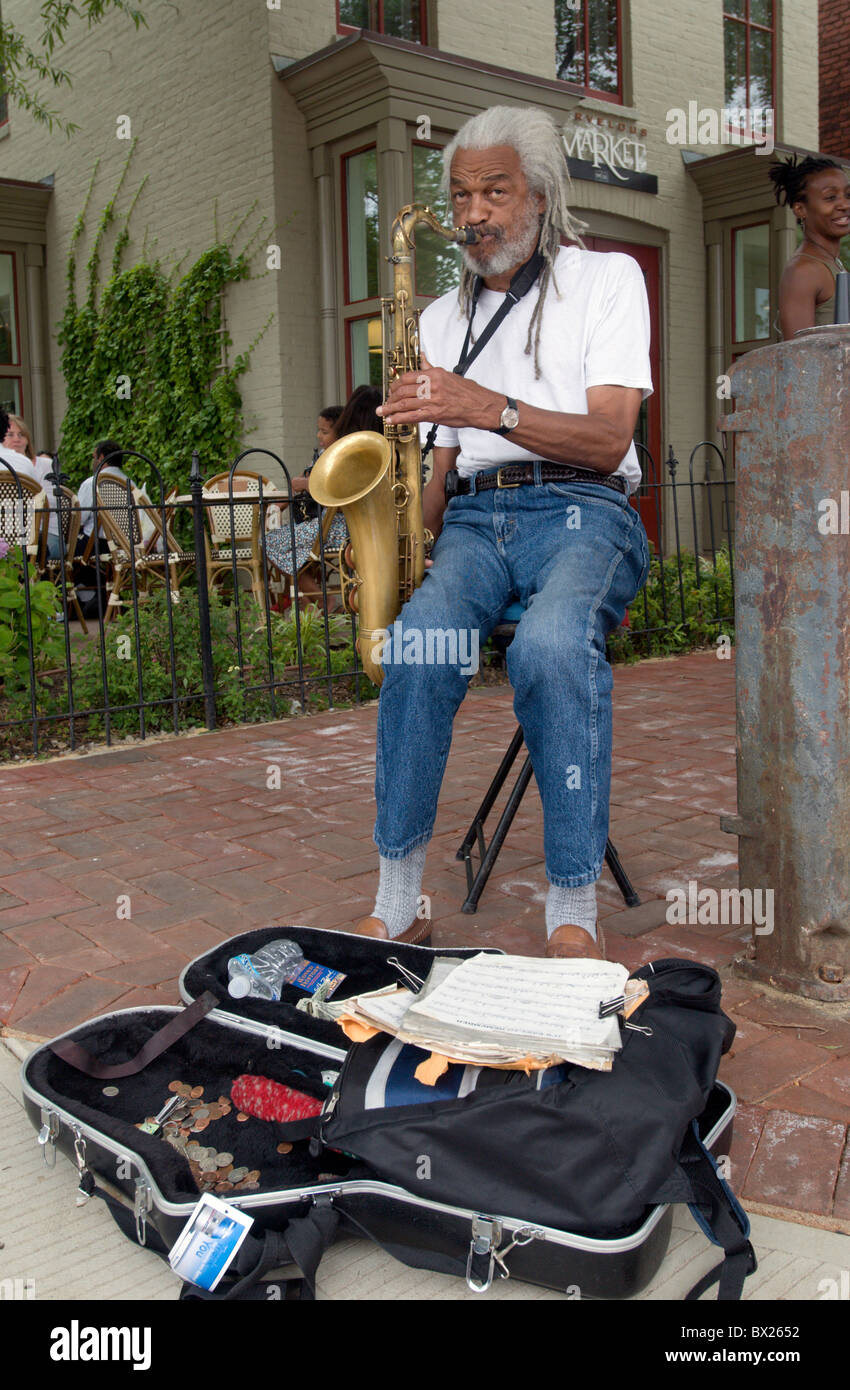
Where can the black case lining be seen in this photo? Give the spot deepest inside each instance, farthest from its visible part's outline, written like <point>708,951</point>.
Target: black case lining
<point>211,1056</point>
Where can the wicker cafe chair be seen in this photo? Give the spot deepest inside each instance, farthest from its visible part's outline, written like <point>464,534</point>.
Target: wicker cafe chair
<point>69,520</point>
<point>130,540</point>
<point>244,530</point>
<point>23,515</point>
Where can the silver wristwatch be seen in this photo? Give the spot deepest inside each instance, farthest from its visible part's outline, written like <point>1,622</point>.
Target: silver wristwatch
<point>509,418</point>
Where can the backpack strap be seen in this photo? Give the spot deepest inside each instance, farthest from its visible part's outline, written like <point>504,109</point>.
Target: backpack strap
<point>719,1214</point>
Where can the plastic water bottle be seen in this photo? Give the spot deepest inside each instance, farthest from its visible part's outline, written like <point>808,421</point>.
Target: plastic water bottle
<point>263,975</point>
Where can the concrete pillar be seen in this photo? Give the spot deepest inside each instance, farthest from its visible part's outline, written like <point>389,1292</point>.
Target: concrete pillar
<point>323,172</point>
<point>39,406</point>
<point>792,620</point>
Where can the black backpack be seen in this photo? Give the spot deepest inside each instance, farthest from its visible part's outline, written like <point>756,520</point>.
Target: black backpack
<point>588,1154</point>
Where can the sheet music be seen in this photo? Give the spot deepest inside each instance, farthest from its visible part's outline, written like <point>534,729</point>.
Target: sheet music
<point>553,1002</point>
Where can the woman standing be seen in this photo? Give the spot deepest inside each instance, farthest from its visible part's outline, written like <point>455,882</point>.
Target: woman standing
<point>818,193</point>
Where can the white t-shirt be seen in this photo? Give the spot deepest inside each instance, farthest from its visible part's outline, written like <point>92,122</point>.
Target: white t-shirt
<point>85,497</point>
<point>595,334</point>
<point>21,464</point>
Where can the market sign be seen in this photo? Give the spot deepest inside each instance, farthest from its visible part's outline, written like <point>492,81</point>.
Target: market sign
<point>607,149</point>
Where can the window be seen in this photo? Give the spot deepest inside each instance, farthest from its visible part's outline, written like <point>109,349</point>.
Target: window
<point>587,46</point>
<point>10,337</point>
<point>751,280</point>
<point>361,225</point>
<point>361,267</point>
<point>9,353</point>
<point>4,101</point>
<point>748,46</point>
<point>400,19</point>
<point>437,262</point>
<point>364,353</point>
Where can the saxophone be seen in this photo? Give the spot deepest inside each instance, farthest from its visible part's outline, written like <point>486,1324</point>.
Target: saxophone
<point>376,479</point>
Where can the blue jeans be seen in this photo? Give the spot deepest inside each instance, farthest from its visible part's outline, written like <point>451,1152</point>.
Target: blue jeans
<point>575,555</point>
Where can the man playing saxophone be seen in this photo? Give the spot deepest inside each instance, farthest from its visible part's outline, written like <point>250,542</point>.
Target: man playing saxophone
<point>534,451</point>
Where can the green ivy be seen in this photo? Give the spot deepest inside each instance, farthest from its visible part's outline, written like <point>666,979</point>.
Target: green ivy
<point>141,355</point>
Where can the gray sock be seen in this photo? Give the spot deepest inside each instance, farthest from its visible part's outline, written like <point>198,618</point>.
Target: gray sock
<point>576,905</point>
<point>399,889</point>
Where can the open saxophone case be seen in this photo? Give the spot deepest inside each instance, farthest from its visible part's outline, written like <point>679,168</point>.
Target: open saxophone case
<point>563,1178</point>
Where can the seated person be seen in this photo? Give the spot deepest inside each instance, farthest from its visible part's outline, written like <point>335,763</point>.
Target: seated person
<point>18,438</point>
<point>110,454</point>
<point>359,413</point>
<point>303,506</point>
<point>16,449</point>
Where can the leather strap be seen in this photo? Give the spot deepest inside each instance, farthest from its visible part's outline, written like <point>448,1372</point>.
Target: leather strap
<point>522,474</point>
<point>175,1028</point>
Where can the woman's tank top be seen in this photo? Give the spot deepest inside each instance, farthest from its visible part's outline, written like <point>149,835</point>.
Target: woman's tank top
<point>825,312</point>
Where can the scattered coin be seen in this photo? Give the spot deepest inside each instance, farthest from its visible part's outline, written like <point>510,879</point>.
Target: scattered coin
<point>254,1175</point>
<point>208,1165</point>
<point>110,1090</point>
<point>196,1092</point>
<point>284,1148</point>
<point>202,1113</point>
<point>200,1125</point>
<point>250,1187</point>
<point>174,1086</point>
<point>238,1174</point>
<point>223,1100</point>
<point>223,1159</point>
<point>182,1089</point>
<point>241,1118</point>
<point>223,1186</point>
<point>193,1149</point>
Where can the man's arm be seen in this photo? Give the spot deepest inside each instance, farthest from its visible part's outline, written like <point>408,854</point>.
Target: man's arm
<point>434,496</point>
<point>599,439</point>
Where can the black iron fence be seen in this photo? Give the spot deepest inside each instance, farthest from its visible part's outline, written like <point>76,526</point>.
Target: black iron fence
<point>144,615</point>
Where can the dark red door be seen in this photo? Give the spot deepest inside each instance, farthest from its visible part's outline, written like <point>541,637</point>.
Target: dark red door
<point>648,432</point>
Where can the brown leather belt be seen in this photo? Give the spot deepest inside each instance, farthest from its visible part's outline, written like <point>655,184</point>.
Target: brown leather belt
<point>523,474</point>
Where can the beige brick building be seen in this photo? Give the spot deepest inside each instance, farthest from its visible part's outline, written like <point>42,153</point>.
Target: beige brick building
<point>325,130</point>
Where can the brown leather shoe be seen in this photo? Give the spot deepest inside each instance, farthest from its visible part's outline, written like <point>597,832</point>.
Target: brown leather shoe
<point>419,934</point>
<point>574,943</point>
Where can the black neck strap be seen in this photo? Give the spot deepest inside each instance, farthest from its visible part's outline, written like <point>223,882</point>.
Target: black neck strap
<point>517,290</point>
<point>520,284</point>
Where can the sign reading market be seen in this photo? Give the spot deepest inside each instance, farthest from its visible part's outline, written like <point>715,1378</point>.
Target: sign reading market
<point>607,149</point>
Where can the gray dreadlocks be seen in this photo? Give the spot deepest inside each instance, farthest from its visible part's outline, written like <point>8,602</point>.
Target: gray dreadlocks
<point>536,140</point>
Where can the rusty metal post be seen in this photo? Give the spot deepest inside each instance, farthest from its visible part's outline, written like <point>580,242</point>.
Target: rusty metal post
<point>792,622</point>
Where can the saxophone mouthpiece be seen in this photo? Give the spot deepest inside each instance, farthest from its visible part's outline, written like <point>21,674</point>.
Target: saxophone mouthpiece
<point>466,236</point>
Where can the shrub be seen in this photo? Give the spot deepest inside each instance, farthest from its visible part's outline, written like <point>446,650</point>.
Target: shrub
<point>130,664</point>
<point>686,603</point>
<point>14,641</point>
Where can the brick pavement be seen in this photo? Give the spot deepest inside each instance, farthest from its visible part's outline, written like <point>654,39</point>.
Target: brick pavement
<point>118,868</point>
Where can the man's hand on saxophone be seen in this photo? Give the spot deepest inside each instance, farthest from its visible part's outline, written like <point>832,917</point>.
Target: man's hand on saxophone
<point>448,399</point>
